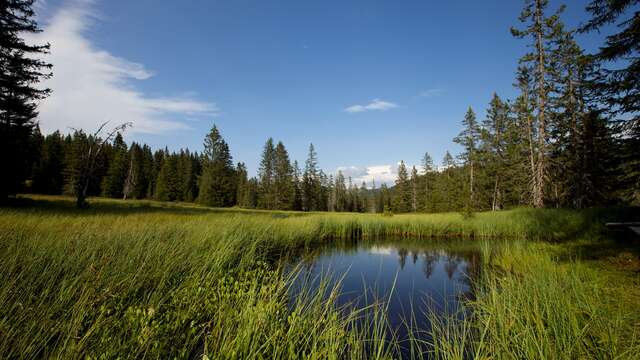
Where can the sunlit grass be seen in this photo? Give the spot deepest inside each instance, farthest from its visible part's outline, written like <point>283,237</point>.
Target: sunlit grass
<point>150,279</point>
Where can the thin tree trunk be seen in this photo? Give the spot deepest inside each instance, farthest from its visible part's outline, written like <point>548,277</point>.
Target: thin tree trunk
<point>538,196</point>
<point>471,197</point>
<point>494,205</point>
<point>414,195</point>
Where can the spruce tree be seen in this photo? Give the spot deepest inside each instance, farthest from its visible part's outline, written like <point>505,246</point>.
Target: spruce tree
<point>469,139</point>
<point>48,171</point>
<point>168,183</point>
<point>266,174</point>
<point>297,196</point>
<point>158,161</point>
<point>340,192</point>
<point>414,189</point>
<point>217,182</point>
<point>21,69</point>
<point>447,183</point>
<point>311,187</point>
<point>242,196</point>
<point>402,190</point>
<point>113,183</point>
<point>427,196</point>
<point>365,201</point>
<point>283,179</point>
<point>493,149</point>
<point>543,31</point>
<point>617,89</point>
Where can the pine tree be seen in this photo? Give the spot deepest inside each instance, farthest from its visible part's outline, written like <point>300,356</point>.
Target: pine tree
<point>145,186</point>
<point>311,187</point>
<point>168,183</point>
<point>523,109</point>
<point>519,165</point>
<point>48,171</point>
<point>427,196</point>
<point>402,198</point>
<point>340,193</point>
<point>113,183</point>
<point>569,104</point>
<point>385,200</point>
<point>158,161</point>
<point>365,201</point>
<point>242,196</point>
<point>542,31</point>
<point>266,176</point>
<point>283,179</point>
<point>297,196</point>
<point>493,150</point>
<point>414,189</point>
<point>617,89</point>
<point>189,168</point>
<point>217,185</point>
<point>447,183</point>
<point>21,69</point>
<point>469,139</point>
<point>322,191</point>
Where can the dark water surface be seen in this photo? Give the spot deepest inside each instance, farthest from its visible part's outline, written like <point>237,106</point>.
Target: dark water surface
<point>412,278</point>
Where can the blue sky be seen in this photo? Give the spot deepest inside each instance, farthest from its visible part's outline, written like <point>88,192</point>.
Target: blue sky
<point>370,83</point>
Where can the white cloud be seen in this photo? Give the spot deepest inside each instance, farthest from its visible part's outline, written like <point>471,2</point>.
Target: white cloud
<point>374,105</point>
<point>430,93</point>
<point>381,174</point>
<point>378,173</point>
<point>91,86</point>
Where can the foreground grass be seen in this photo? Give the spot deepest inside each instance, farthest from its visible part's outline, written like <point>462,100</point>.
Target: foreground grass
<point>146,279</point>
<point>534,305</point>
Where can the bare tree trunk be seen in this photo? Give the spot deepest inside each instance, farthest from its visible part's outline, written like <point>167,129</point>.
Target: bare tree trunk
<point>471,197</point>
<point>86,172</point>
<point>538,195</point>
<point>414,195</point>
<point>532,161</point>
<point>130,181</point>
<point>494,204</point>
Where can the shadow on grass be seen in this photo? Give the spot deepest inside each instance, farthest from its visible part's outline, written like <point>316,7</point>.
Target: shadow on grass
<point>561,225</point>
<point>98,206</point>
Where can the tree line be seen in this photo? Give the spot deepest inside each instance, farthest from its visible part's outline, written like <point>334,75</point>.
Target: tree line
<point>569,139</point>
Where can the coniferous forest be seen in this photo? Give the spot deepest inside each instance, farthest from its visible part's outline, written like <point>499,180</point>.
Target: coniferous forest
<point>568,140</point>
<point>532,226</point>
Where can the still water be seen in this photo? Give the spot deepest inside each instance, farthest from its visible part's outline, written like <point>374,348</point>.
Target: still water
<point>412,278</point>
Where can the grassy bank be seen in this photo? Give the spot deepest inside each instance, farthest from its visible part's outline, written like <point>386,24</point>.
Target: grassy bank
<point>547,301</point>
<point>156,280</point>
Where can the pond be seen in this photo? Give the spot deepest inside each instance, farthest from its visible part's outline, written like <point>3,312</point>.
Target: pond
<point>412,278</point>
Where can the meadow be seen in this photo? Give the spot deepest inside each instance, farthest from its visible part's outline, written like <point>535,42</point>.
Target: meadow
<point>163,280</point>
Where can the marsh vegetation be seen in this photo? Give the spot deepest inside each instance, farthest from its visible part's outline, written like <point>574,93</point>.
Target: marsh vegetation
<point>148,279</point>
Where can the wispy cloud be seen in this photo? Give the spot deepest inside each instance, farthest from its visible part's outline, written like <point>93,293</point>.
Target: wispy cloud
<point>374,105</point>
<point>431,93</point>
<point>90,85</point>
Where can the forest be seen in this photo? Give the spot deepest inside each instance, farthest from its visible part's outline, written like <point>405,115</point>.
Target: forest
<point>568,140</point>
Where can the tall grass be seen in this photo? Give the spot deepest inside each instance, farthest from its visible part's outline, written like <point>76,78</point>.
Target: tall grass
<point>142,279</point>
<point>529,306</point>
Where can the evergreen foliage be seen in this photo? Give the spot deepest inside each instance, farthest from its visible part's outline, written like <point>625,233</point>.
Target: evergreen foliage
<point>21,69</point>
<point>569,139</point>
<point>217,181</point>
